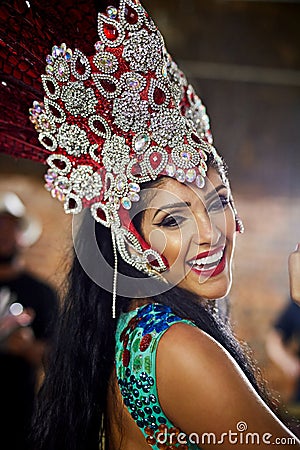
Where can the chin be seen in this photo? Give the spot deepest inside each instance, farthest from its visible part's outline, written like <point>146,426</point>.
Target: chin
<point>211,289</point>
<point>218,287</point>
<point>217,293</point>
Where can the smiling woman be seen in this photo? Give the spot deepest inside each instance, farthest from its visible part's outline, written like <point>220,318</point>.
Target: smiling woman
<point>141,356</point>
<point>195,235</point>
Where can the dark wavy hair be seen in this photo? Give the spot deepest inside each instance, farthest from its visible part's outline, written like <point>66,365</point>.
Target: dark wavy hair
<point>71,411</point>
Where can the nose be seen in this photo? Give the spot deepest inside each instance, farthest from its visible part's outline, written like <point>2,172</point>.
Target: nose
<point>205,229</point>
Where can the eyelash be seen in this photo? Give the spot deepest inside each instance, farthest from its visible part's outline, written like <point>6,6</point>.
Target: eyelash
<point>174,221</point>
<point>171,221</point>
<point>219,204</point>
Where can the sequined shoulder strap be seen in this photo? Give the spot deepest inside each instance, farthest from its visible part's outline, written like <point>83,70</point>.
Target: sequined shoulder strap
<point>138,335</point>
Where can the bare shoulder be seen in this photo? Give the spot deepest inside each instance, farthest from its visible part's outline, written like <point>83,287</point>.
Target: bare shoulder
<point>202,389</point>
<point>187,354</point>
<point>189,347</point>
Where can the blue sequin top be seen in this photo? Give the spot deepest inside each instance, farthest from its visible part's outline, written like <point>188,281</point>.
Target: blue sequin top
<point>137,338</point>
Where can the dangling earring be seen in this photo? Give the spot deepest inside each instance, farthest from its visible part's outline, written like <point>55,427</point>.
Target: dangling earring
<point>115,275</point>
<point>239,226</point>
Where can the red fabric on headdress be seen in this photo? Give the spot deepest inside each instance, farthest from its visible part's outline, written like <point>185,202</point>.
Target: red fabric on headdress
<point>26,35</point>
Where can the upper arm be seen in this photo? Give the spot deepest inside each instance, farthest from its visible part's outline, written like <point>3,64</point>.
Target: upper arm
<point>202,389</point>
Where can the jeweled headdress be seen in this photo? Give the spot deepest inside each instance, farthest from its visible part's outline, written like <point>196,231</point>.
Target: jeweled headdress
<point>118,118</point>
<point>121,117</point>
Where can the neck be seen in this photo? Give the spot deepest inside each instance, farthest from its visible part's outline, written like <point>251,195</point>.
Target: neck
<point>136,303</point>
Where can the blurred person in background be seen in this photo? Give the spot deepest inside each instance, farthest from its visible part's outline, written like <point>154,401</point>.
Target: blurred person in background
<point>283,342</point>
<point>28,310</point>
<point>294,273</point>
<point>283,345</point>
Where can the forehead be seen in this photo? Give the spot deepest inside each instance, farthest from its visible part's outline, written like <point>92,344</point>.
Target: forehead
<point>171,190</point>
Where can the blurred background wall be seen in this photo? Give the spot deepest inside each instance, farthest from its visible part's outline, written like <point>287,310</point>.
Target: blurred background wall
<point>244,61</point>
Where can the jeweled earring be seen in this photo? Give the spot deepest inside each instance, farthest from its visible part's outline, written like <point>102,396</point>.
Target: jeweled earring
<point>239,226</point>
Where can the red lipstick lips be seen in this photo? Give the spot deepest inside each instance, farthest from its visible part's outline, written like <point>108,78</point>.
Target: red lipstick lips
<point>210,263</point>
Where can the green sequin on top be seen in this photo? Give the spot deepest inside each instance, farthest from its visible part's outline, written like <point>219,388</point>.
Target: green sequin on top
<point>137,338</point>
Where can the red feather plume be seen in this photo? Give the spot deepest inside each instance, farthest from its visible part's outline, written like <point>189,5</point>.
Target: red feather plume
<point>28,30</point>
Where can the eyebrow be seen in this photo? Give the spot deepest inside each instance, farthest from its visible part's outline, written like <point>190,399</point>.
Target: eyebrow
<point>172,205</point>
<point>214,191</point>
<point>188,204</point>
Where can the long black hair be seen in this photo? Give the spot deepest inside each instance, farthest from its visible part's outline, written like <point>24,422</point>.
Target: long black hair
<point>71,411</point>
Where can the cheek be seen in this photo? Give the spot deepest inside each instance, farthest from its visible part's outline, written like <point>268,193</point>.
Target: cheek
<point>226,223</point>
<point>158,240</point>
<point>171,245</point>
<point>176,249</point>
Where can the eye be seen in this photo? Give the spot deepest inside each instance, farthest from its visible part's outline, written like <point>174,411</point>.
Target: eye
<point>219,204</point>
<point>171,221</point>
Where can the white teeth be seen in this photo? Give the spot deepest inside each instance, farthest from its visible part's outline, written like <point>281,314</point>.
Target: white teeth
<point>210,259</point>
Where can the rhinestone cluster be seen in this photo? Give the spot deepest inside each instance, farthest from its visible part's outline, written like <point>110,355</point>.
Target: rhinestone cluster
<point>143,51</point>
<point>37,116</point>
<point>73,139</point>
<point>79,100</point>
<point>130,112</point>
<point>57,61</point>
<point>168,127</point>
<point>58,186</point>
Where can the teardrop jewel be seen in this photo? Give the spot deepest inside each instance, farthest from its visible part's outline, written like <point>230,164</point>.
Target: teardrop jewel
<point>99,126</point>
<point>72,204</point>
<point>110,31</point>
<point>109,86</point>
<point>156,159</point>
<point>101,214</point>
<point>51,86</point>
<point>53,110</point>
<point>159,95</point>
<point>80,66</point>
<point>131,15</point>
<point>48,141</point>
<point>59,163</point>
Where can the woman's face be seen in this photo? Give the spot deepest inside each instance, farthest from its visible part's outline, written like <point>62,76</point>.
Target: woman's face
<point>195,230</point>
